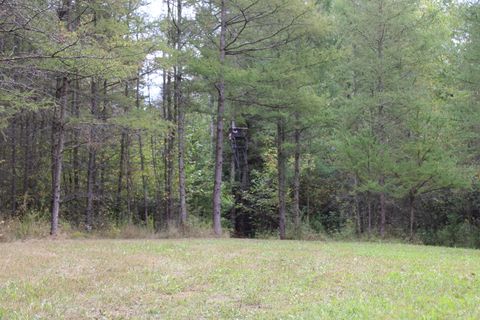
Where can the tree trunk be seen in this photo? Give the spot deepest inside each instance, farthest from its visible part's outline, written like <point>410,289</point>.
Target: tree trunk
<point>169,108</point>
<point>169,146</point>
<point>91,177</point>
<point>76,132</point>
<point>144,179</point>
<point>369,209</point>
<point>180,124</point>
<point>281,171</point>
<point>381,121</point>
<point>233,210</point>
<point>165,114</point>
<point>58,141</point>
<point>13,185</point>
<point>411,203</point>
<point>383,209</point>
<point>92,154</point>
<point>103,168</point>
<point>120,175</point>
<point>296,179</point>
<point>124,167</point>
<point>58,132</point>
<point>217,188</point>
<point>181,168</point>
<point>129,174</point>
<point>32,159</point>
<point>142,157</point>
<point>357,207</point>
<point>101,185</point>
<point>13,163</point>
<point>26,157</point>
<point>212,123</point>
<point>156,217</point>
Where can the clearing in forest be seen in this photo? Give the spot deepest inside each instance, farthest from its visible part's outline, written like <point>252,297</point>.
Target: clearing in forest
<point>236,279</point>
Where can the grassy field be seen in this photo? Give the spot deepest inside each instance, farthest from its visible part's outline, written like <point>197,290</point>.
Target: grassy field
<point>236,279</point>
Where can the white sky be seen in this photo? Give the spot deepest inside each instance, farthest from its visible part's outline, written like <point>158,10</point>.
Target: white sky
<point>155,8</point>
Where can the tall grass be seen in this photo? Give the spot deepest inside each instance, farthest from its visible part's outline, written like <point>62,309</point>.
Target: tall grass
<point>36,225</point>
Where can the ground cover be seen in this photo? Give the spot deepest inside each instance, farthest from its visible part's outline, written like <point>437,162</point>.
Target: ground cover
<point>236,279</point>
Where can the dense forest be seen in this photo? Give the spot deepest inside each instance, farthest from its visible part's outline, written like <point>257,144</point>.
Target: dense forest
<point>254,118</point>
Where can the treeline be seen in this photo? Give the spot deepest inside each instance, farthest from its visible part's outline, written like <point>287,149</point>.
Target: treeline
<point>280,117</point>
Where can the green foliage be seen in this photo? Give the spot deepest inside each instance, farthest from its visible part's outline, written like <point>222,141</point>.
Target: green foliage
<point>383,94</point>
<point>147,120</point>
<point>13,102</point>
<point>32,225</point>
<point>456,232</point>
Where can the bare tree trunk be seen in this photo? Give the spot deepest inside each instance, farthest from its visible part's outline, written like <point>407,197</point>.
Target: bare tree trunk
<point>181,167</point>
<point>217,188</point>
<point>169,111</point>
<point>357,207</point>
<point>92,154</point>
<point>180,124</point>
<point>124,150</point>
<point>58,131</point>
<point>381,119</point>
<point>13,163</point>
<point>369,209</point>
<point>144,179</point>
<point>383,209</point>
<point>2,156</point>
<point>33,155</point>
<point>120,175</point>
<point>281,170</point>
<point>129,174</point>
<point>91,177</point>
<point>13,185</point>
<point>233,210</point>
<point>58,142</point>
<point>165,114</point>
<point>75,160</point>
<point>156,175</point>
<point>26,156</point>
<point>212,124</point>
<point>169,146</point>
<point>101,185</point>
<point>296,179</point>
<point>103,168</point>
<point>411,202</point>
<point>142,157</point>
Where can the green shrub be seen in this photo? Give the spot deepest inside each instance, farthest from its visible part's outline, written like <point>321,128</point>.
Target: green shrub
<point>33,224</point>
<point>456,233</point>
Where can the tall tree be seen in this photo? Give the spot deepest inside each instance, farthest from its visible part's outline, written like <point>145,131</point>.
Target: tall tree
<point>58,126</point>
<point>220,86</point>
<point>244,29</point>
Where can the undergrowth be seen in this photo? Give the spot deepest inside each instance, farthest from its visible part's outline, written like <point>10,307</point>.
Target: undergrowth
<point>36,225</point>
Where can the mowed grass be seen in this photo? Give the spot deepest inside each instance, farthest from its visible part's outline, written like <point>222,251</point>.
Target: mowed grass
<point>236,279</point>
